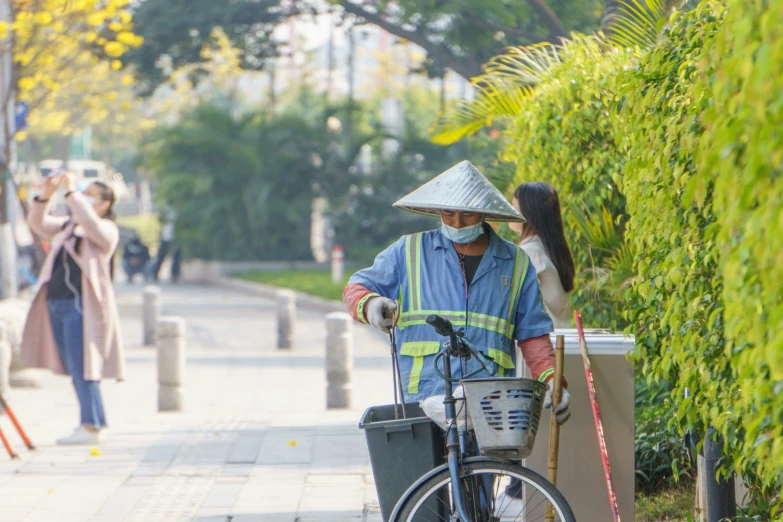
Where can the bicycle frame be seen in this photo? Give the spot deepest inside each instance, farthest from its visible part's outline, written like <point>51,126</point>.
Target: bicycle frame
<point>452,436</point>
<point>454,439</point>
<point>469,488</point>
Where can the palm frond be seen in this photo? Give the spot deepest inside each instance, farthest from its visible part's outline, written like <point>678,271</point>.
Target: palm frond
<point>524,65</point>
<point>636,23</point>
<point>501,92</point>
<point>509,79</point>
<point>497,98</point>
<point>621,266</point>
<point>597,228</point>
<point>614,277</point>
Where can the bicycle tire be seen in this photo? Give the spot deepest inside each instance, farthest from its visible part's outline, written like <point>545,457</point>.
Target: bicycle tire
<point>411,507</point>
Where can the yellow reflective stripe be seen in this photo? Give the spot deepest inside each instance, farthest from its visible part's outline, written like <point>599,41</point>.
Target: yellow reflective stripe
<point>417,317</point>
<point>501,371</point>
<point>413,381</point>
<point>421,315</point>
<point>360,306</point>
<point>514,283</point>
<point>420,348</point>
<point>417,264</point>
<point>521,263</point>
<point>501,358</point>
<point>413,269</point>
<point>409,270</point>
<point>487,322</point>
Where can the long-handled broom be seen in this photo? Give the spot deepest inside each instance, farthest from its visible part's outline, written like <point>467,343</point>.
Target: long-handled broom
<point>554,427</point>
<point>599,427</point>
<point>7,409</point>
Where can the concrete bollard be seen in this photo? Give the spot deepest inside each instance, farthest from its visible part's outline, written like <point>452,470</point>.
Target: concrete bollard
<point>339,359</point>
<point>5,359</point>
<point>151,310</point>
<point>286,316</point>
<point>13,315</point>
<point>171,364</point>
<point>338,264</point>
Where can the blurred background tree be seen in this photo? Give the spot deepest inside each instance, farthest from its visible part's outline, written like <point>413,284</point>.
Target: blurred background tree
<point>457,35</point>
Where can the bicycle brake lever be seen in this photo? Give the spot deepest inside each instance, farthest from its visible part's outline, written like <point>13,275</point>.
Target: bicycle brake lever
<point>486,362</point>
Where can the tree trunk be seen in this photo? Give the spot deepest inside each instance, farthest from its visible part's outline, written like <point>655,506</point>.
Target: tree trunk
<point>272,94</point>
<point>549,19</point>
<point>465,66</point>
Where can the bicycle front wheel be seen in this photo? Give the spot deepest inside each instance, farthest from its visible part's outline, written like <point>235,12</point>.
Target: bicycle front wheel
<point>490,496</point>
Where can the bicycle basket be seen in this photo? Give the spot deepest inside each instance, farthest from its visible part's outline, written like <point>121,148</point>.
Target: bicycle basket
<point>505,414</point>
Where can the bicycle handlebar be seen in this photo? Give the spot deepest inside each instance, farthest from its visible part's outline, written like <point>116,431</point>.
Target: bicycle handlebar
<point>444,327</point>
<point>441,325</point>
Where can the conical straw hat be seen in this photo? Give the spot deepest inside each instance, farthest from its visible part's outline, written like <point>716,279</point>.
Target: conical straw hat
<point>461,188</point>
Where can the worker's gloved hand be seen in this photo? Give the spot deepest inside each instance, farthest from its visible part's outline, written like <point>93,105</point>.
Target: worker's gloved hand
<point>380,313</point>
<point>561,411</point>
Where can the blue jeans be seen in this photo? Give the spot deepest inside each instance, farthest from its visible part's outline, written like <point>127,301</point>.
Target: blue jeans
<point>69,334</point>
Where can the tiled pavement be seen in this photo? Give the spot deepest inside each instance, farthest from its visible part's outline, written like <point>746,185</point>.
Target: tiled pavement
<point>255,442</point>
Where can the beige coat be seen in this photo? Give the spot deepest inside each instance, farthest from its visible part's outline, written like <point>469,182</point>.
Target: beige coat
<point>103,353</point>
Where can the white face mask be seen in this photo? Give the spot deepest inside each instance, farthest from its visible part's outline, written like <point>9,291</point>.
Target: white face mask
<point>462,235</point>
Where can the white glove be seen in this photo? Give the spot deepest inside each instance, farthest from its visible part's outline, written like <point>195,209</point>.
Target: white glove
<point>380,313</point>
<point>561,411</point>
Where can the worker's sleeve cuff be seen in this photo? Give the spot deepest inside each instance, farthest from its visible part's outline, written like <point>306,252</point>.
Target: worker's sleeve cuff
<point>546,375</point>
<point>360,306</point>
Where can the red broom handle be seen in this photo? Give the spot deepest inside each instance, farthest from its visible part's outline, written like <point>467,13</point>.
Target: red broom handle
<point>599,427</point>
<point>25,439</point>
<point>8,447</point>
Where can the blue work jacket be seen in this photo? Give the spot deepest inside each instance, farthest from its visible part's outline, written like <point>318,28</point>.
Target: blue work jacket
<point>423,273</point>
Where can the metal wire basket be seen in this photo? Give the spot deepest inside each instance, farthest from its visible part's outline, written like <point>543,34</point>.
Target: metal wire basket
<point>505,414</point>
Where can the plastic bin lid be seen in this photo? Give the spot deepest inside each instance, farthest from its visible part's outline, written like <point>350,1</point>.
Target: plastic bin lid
<point>385,414</point>
<point>599,342</point>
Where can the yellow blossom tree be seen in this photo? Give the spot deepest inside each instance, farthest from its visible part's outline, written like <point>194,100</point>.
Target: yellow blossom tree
<point>66,61</point>
<point>218,74</point>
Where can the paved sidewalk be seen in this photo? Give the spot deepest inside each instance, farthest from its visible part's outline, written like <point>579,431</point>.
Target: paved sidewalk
<point>254,444</point>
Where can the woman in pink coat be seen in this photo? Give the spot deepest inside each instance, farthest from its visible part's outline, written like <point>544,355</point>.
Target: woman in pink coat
<point>72,327</point>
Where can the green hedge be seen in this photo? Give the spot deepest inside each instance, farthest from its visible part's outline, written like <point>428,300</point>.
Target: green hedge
<point>741,156</point>
<point>676,307</point>
<point>675,304</point>
<point>681,144</point>
<point>314,282</point>
<point>565,136</point>
<point>700,124</point>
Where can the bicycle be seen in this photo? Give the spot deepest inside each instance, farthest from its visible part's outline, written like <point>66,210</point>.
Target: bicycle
<point>468,488</point>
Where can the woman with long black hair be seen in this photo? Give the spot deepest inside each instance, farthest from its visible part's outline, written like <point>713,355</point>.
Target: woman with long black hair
<point>543,240</point>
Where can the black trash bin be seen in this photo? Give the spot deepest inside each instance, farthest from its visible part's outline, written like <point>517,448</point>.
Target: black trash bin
<point>401,451</point>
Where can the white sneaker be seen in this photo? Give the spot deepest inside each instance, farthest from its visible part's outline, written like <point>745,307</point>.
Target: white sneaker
<point>81,436</point>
